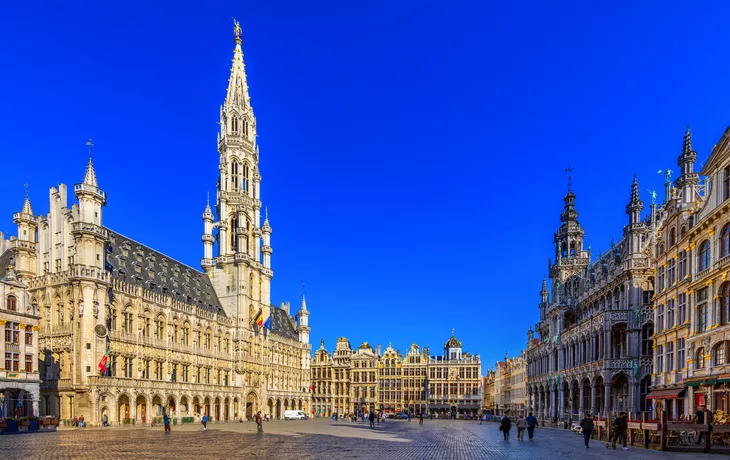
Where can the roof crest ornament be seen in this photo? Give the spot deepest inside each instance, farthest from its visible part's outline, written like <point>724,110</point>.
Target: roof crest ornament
<point>236,28</point>
<point>569,170</point>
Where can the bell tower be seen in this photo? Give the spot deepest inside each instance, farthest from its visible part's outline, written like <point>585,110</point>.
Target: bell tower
<point>241,278</point>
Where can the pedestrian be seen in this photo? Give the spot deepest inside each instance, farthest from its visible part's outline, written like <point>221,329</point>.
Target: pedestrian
<point>166,421</point>
<point>409,416</point>
<point>431,415</point>
<point>619,431</point>
<point>531,424</point>
<point>105,420</point>
<point>204,421</point>
<point>504,426</point>
<point>481,419</point>
<point>75,421</point>
<point>259,422</point>
<point>700,420</point>
<point>587,426</point>
<point>420,418</point>
<point>371,417</point>
<point>521,426</point>
<point>377,416</point>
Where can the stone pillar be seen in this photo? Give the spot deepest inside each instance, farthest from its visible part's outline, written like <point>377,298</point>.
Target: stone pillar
<point>594,409</point>
<point>581,405</point>
<point>553,403</point>
<point>607,397</point>
<point>561,403</point>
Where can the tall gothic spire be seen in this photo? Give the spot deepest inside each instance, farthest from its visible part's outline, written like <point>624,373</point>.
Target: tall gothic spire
<point>27,208</point>
<point>688,179</point>
<point>635,206</point>
<point>237,94</point>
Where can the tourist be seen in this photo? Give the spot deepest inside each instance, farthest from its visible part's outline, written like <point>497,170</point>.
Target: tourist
<point>420,418</point>
<point>521,425</point>
<point>700,420</point>
<point>259,422</point>
<point>409,416</point>
<point>619,431</point>
<point>531,424</point>
<point>104,420</point>
<point>504,426</point>
<point>166,421</point>
<point>587,426</point>
<point>75,421</point>
<point>204,421</point>
<point>371,417</point>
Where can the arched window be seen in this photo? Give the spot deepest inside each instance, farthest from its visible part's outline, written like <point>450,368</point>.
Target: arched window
<point>671,278</point>
<point>572,249</point>
<point>725,241</point>
<point>700,359</point>
<point>234,124</point>
<point>244,184</point>
<point>12,303</point>
<point>719,354</point>
<point>704,262</point>
<point>234,175</point>
<point>682,266</point>
<point>672,237</point>
<point>725,304</point>
<point>683,231</point>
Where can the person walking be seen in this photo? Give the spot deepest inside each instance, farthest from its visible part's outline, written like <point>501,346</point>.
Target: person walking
<point>521,426</point>
<point>371,417</point>
<point>587,426</point>
<point>105,420</point>
<point>531,424</point>
<point>700,420</point>
<point>166,421</point>
<point>409,416</point>
<point>259,422</point>
<point>504,426</point>
<point>420,418</point>
<point>619,431</point>
<point>204,421</point>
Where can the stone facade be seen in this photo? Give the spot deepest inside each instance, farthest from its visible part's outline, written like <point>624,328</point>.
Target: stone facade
<point>176,339</point>
<point>505,387</point>
<point>19,378</point>
<point>414,381</point>
<point>593,348</point>
<point>692,308</point>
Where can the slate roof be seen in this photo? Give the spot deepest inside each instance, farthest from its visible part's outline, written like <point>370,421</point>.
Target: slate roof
<point>140,265</point>
<point>282,324</point>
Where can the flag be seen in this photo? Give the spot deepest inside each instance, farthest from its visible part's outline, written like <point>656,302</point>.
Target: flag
<point>267,324</point>
<point>259,319</point>
<point>103,363</point>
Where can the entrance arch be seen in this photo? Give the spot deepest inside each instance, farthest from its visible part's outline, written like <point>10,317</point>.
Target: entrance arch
<point>236,412</point>
<point>141,404</point>
<point>270,406</point>
<point>278,408</point>
<point>250,405</point>
<point>123,409</point>
<point>226,409</point>
<point>217,409</point>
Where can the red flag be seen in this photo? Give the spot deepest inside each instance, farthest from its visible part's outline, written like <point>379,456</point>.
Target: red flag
<point>102,363</point>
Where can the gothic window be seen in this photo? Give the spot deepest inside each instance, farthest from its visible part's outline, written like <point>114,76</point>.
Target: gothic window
<point>234,124</point>
<point>704,255</point>
<point>670,272</point>
<point>725,304</point>
<point>700,359</point>
<point>572,249</point>
<point>725,241</point>
<point>682,265</point>
<point>234,176</point>
<point>726,183</point>
<point>719,354</point>
<point>672,237</point>
<point>11,303</point>
<point>250,286</point>
<point>234,240</point>
<point>244,184</point>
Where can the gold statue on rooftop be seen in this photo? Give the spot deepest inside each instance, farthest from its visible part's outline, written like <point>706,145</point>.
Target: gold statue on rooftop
<point>236,28</point>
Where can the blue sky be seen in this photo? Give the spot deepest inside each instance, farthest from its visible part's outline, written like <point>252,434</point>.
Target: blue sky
<point>413,154</point>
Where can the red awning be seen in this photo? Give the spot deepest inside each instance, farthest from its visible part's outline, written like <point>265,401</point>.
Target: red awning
<point>666,394</point>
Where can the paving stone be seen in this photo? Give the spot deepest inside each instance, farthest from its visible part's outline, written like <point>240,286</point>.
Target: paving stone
<point>317,439</point>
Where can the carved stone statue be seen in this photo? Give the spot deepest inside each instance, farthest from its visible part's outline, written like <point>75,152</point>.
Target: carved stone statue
<point>96,310</point>
<point>81,310</point>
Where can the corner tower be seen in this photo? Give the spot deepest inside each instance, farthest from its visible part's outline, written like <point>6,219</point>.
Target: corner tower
<point>570,258</point>
<point>241,279</point>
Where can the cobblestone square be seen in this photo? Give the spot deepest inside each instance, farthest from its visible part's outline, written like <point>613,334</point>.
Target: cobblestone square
<point>316,439</point>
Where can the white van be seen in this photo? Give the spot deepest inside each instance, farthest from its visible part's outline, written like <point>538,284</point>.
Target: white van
<point>294,415</point>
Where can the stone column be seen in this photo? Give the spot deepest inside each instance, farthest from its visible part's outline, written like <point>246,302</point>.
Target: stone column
<point>561,403</point>
<point>553,402</point>
<point>594,409</point>
<point>607,397</point>
<point>581,405</point>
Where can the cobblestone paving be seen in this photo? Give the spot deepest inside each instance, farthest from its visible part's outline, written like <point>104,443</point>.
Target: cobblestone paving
<point>316,439</point>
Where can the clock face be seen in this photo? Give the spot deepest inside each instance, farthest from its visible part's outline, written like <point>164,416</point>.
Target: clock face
<point>100,330</point>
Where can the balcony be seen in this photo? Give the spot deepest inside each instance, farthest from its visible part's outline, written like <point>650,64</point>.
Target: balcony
<point>85,227</point>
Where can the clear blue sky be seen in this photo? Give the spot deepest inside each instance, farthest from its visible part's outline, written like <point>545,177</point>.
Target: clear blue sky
<point>413,153</point>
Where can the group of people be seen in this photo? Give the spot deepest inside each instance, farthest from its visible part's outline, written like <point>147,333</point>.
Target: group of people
<point>523,424</point>
<point>79,421</point>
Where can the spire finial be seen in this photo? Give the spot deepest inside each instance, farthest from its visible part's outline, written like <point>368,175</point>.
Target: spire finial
<point>266,211</point>
<point>452,332</point>
<point>207,200</point>
<point>236,29</point>
<point>570,178</point>
<point>26,190</point>
<point>27,209</point>
<point>687,146</point>
<point>90,145</point>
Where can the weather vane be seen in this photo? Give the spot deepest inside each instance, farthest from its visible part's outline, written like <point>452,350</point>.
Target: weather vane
<point>236,28</point>
<point>90,145</point>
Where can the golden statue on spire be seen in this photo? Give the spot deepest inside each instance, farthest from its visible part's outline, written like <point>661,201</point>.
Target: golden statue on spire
<point>236,28</point>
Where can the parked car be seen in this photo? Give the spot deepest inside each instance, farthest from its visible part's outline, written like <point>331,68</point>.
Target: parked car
<point>294,415</point>
<point>402,416</point>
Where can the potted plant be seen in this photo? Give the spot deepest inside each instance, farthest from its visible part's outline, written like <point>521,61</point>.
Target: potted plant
<point>34,424</point>
<point>174,420</point>
<point>12,425</point>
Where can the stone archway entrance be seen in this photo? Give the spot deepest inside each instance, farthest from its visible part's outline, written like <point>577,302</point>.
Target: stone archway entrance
<point>123,409</point>
<point>141,404</point>
<point>217,408</point>
<point>278,408</point>
<point>270,405</point>
<point>250,405</point>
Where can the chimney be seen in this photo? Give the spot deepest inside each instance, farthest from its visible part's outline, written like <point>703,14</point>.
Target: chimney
<point>378,349</point>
